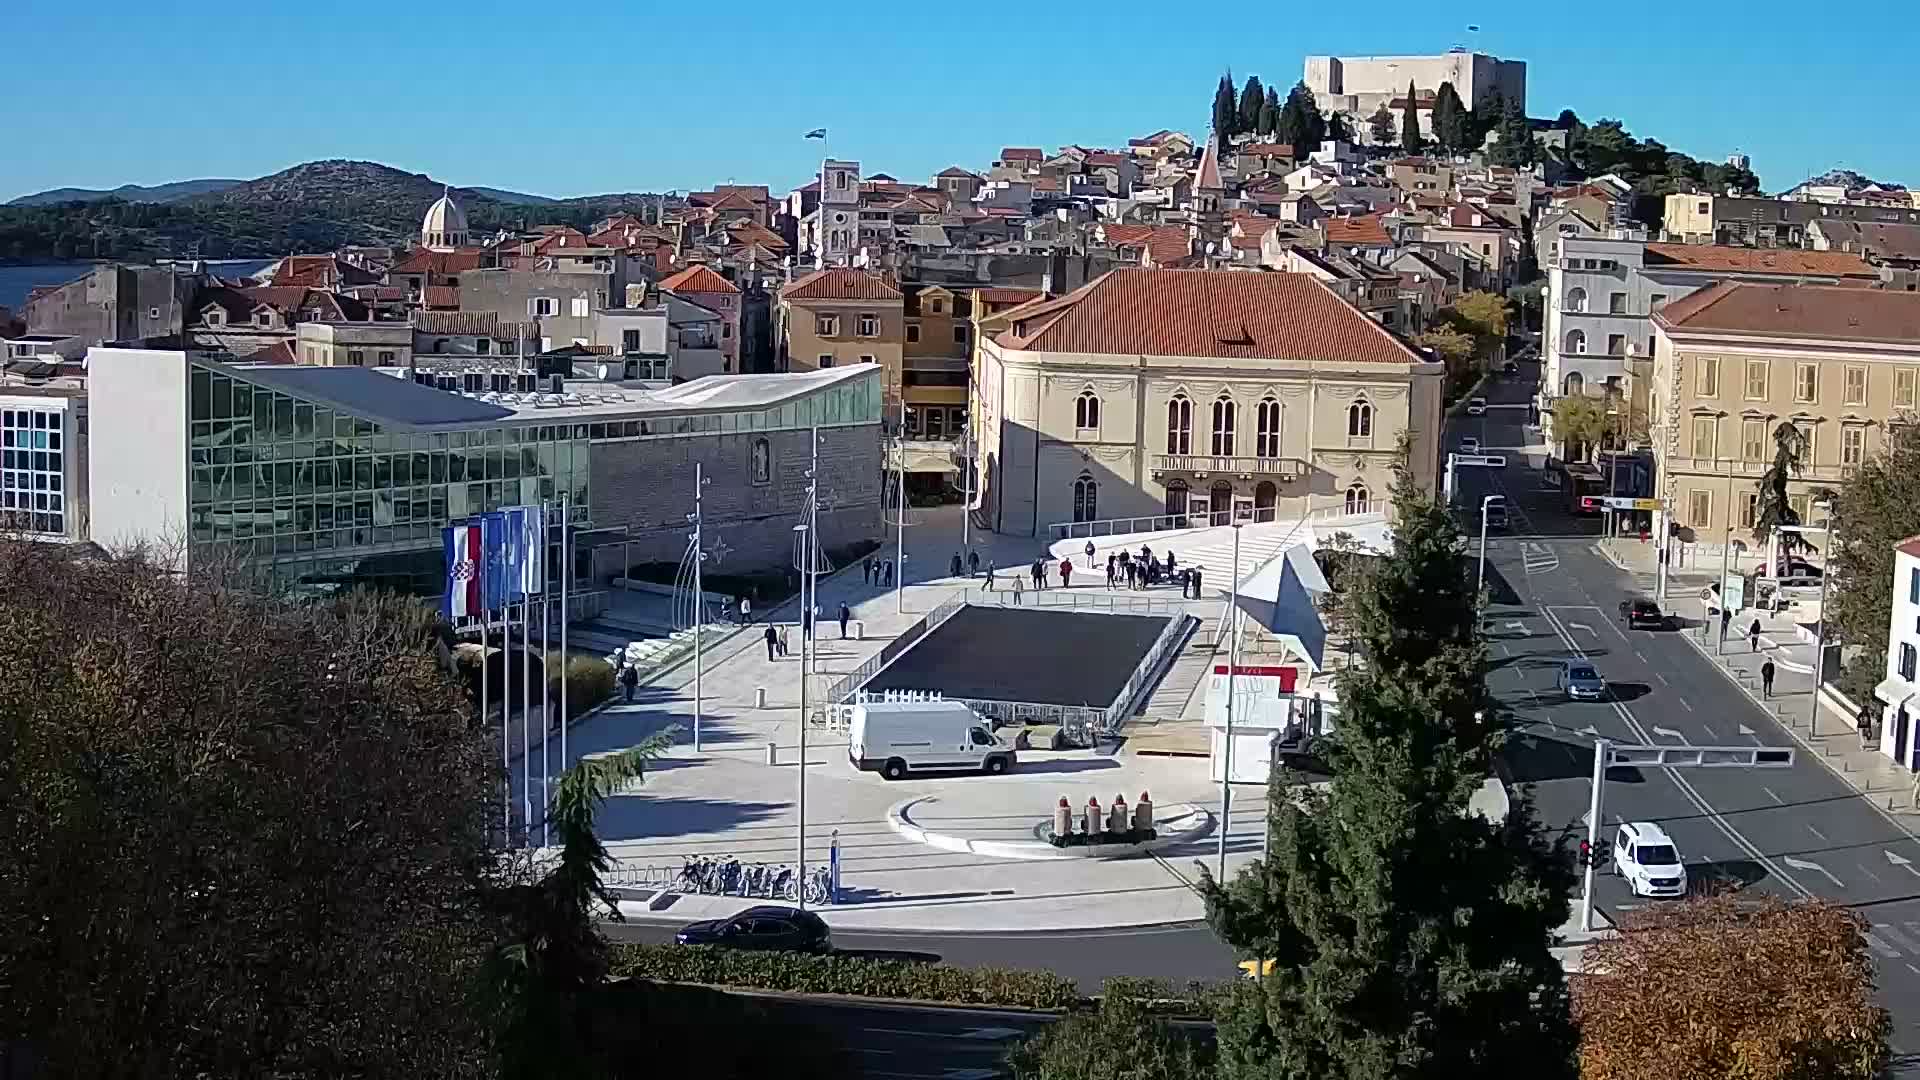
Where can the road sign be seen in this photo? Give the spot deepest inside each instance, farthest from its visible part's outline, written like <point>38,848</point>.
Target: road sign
<point>1491,461</point>
<point>1616,502</point>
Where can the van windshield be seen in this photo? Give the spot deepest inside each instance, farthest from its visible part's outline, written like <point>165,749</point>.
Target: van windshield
<point>1657,855</point>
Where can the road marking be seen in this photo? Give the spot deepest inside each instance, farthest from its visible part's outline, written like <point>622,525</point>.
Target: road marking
<point>1747,731</point>
<point>1637,655</point>
<point>1662,678</point>
<point>1813,867</point>
<point>1902,862</point>
<point>1680,781</point>
<point>1818,833</point>
<point>1888,931</point>
<point>1683,703</point>
<point>1915,970</point>
<point>970,1033</point>
<point>1774,797</point>
<point>1881,947</point>
<point>1711,734</point>
<point>1582,626</point>
<point>1520,626</point>
<point>1669,733</point>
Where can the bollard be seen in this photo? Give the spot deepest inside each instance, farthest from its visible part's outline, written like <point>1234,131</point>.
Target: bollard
<point>1063,818</point>
<point>857,630</point>
<point>1096,821</point>
<point>759,697</point>
<point>1117,820</point>
<point>1143,812</point>
<point>773,752</point>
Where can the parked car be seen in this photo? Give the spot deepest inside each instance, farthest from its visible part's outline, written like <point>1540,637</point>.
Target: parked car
<point>1469,444</point>
<point>1477,406</point>
<point>1646,857</point>
<point>1644,612</point>
<point>1496,514</point>
<point>1578,680</point>
<point>767,927</point>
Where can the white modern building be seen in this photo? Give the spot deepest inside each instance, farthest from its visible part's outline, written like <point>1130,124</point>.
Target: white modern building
<point>43,459</point>
<point>1896,693</point>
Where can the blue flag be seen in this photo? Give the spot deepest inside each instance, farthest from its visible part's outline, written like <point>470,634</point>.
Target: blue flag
<point>496,577</point>
<point>817,133</point>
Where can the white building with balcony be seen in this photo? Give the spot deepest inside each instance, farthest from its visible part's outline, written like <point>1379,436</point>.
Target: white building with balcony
<point>1898,694</point>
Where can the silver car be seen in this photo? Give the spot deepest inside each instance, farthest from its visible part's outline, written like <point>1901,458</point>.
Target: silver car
<point>1578,680</point>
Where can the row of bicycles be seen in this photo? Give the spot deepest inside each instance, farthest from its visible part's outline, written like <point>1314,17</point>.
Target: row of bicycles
<point>725,875</point>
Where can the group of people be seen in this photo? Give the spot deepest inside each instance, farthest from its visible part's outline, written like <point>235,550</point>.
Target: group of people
<point>880,571</point>
<point>1139,572</point>
<point>776,633</point>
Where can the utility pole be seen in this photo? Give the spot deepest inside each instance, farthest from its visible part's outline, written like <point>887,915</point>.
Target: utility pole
<point>900,522</point>
<point>809,543</point>
<point>699,593</point>
<point>1233,670</point>
<point>1480,583</point>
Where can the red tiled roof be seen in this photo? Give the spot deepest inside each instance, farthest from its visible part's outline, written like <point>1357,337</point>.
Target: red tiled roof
<point>280,352</point>
<point>698,278</point>
<point>1001,294</point>
<point>1367,231</point>
<point>956,171</point>
<point>442,296</point>
<point>1909,546</point>
<point>1744,260</point>
<point>320,272</point>
<point>840,284</point>
<point>1021,153</point>
<point>1207,313</point>
<point>1818,312</point>
<point>1103,158</point>
<point>438,262</point>
<point>1265,149</point>
<point>1163,244</point>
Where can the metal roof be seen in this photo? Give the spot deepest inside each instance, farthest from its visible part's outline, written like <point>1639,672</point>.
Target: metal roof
<point>371,395</point>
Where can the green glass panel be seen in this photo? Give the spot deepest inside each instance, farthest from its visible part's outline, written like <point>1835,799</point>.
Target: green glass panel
<point>222,398</point>
<point>284,425</point>
<point>200,394</point>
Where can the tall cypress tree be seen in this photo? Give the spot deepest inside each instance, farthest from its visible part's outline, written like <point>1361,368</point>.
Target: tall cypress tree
<point>1225,113</point>
<point>1300,122</point>
<point>1270,113</point>
<point>1449,120</point>
<point>1410,937</point>
<point>1251,98</point>
<point>1410,139</point>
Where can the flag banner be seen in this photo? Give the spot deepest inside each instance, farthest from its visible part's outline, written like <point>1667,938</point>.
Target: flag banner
<point>496,573</point>
<point>817,133</point>
<point>526,545</point>
<point>465,557</point>
<point>533,577</point>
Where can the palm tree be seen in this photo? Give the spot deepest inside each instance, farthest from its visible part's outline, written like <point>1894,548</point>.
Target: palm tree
<point>553,956</point>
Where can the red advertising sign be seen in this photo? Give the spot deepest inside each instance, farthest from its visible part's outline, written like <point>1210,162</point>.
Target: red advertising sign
<point>1288,676</point>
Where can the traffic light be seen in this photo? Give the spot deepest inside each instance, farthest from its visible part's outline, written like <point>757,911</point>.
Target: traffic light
<point>1586,854</point>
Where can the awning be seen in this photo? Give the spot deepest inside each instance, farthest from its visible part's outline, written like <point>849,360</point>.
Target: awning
<point>1895,692</point>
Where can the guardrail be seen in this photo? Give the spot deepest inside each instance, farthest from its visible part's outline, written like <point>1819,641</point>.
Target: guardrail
<point>840,691</point>
<point>1116,714</point>
<point>1078,530</point>
<point>1091,600</point>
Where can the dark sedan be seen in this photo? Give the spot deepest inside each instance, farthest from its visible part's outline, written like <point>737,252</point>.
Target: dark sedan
<point>1643,613</point>
<point>768,927</point>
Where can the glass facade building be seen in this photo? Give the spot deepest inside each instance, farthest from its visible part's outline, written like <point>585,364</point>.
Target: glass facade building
<point>33,468</point>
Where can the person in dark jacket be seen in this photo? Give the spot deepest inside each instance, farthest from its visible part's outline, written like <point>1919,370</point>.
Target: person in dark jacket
<point>844,616</point>
<point>773,641</point>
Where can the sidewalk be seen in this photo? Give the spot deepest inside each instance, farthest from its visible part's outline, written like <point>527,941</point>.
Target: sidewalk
<point>1824,732</point>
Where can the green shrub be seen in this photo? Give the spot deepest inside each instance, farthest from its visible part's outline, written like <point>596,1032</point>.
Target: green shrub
<point>859,976</point>
<point>1121,1037</point>
<point>589,682</point>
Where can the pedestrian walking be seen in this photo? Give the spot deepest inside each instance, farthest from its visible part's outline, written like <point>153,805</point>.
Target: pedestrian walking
<point>1766,680</point>
<point>987,585</point>
<point>866,569</point>
<point>886,572</point>
<point>1726,619</point>
<point>1113,569</point>
<point>1170,565</point>
<point>773,642</point>
<point>1753,636</point>
<point>1016,590</point>
<point>629,679</point>
<point>1089,554</point>
<point>953,565</point>
<point>806,623</point>
<point>1066,572</point>
<point>1195,573</point>
<point>973,564</point>
<point>1046,571</point>
<point>746,611</point>
<point>786,640</point>
<point>844,616</point>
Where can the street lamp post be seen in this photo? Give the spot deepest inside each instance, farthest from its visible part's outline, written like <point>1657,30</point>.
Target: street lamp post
<point>699,596</point>
<point>1233,669</point>
<point>1726,613</point>
<point>1480,583</point>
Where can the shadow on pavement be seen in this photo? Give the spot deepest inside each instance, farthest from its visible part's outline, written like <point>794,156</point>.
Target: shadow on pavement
<point>1533,759</point>
<point>901,955</point>
<point>1065,765</point>
<point>1629,691</point>
<point>641,817</point>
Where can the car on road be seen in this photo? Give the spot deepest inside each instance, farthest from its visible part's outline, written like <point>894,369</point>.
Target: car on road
<point>1644,612</point>
<point>1476,406</point>
<point>1496,514</point>
<point>1646,857</point>
<point>1469,444</point>
<point>1578,680</point>
<point>769,927</point>
<point>1510,369</point>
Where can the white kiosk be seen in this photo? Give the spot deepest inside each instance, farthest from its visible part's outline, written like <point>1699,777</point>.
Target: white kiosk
<point>1273,717</point>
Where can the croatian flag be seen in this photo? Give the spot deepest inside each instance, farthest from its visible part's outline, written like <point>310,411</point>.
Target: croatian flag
<point>465,559</point>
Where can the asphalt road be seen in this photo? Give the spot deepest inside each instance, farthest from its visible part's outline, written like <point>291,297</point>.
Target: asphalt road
<point>1797,832</point>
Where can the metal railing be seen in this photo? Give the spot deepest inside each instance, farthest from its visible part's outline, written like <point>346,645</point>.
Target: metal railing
<point>1176,632</point>
<point>1123,600</point>
<point>1205,464</point>
<point>1086,530</point>
<point>853,680</point>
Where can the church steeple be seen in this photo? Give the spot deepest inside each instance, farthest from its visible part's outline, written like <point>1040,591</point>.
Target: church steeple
<point>1207,221</point>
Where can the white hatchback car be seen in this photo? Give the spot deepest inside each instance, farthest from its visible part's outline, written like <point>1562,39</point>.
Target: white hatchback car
<point>1469,444</point>
<point>1477,406</point>
<point>1646,857</point>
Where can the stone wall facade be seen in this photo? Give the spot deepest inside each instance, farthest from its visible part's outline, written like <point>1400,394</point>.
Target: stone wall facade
<point>646,486</point>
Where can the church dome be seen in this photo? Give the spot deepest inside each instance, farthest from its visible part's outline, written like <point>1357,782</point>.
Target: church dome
<point>445,225</point>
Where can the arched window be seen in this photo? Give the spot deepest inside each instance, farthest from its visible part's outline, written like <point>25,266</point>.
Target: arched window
<point>1223,411</point>
<point>1575,385</point>
<point>1180,425</point>
<point>1266,437</point>
<point>1359,500</point>
<point>1360,419</point>
<point>1177,496</point>
<point>1576,341</point>
<point>1086,411</point>
<point>1086,498</point>
<point>1576,300</point>
<point>1265,495</point>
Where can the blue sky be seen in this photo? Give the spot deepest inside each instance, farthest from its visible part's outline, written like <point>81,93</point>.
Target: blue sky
<point>570,100</point>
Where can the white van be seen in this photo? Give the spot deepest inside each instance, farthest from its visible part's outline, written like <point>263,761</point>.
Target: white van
<point>897,737</point>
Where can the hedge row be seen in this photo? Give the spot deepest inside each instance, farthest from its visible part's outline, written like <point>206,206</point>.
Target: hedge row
<point>840,973</point>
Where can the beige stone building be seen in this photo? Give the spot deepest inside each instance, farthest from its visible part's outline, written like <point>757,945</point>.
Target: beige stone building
<point>841,316</point>
<point>1734,361</point>
<point>1196,393</point>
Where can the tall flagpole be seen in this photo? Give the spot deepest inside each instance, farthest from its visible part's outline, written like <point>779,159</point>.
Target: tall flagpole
<point>526,734</point>
<point>566,572</point>
<point>699,596</point>
<point>546,683</point>
<point>809,591</point>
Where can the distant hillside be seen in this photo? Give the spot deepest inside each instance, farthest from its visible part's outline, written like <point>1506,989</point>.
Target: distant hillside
<point>518,197</point>
<point>159,193</point>
<point>1846,178</point>
<point>317,206</point>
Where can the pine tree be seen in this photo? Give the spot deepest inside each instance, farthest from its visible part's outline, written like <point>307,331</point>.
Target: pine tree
<point>1338,129</point>
<point>1380,126</point>
<point>1225,113</point>
<point>1251,98</point>
<point>1410,139</point>
<point>1410,937</point>
<point>1270,113</point>
<point>1449,120</point>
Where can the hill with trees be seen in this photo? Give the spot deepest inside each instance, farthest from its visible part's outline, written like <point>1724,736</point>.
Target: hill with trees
<point>316,206</point>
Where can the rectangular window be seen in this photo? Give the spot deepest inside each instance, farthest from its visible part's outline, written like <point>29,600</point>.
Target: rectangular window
<point>386,357</point>
<point>826,360</point>
<point>827,325</point>
<point>1801,504</point>
<point>1750,510</point>
<point>630,341</point>
<point>1706,381</point>
<point>356,358</point>
<point>1699,508</point>
<point>1654,301</point>
<point>1913,587</point>
<point>580,307</point>
<point>1616,344</point>
<point>1617,303</point>
<point>913,334</point>
<point>865,359</point>
<point>1806,382</point>
<point>1756,380</point>
<point>1753,440</point>
<point>1854,390</point>
<point>1853,445</point>
<point>1909,659</point>
<point>1903,383</point>
<point>960,335</point>
<point>1704,430</point>
<point>869,324</point>
<point>540,306</point>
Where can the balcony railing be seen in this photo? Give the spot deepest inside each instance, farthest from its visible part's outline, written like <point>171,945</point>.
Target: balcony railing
<point>1209,464</point>
<point>1742,467</point>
